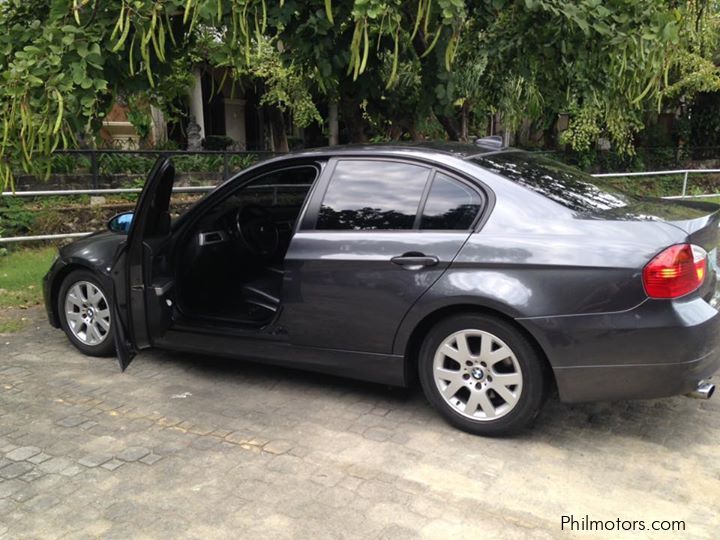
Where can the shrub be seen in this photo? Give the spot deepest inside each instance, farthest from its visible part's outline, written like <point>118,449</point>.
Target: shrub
<point>15,218</point>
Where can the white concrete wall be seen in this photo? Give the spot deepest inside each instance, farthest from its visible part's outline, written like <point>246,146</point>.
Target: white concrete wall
<point>235,121</point>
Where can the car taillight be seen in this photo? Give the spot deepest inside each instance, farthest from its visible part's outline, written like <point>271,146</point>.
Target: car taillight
<point>677,271</point>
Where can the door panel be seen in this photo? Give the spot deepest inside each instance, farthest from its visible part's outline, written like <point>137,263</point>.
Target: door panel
<point>361,258</point>
<point>342,290</point>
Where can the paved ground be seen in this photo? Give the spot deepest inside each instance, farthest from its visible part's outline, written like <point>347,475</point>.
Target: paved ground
<point>188,446</point>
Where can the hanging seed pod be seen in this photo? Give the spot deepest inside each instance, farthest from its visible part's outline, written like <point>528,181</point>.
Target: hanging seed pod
<point>328,11</point>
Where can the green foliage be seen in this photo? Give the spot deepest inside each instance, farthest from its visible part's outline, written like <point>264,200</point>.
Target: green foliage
<point>117,163</point>
<point>63,62</point>
<point>138,115</point>
<point>593,160</point>
<point>47,70</point>
<point>286,85</point>
<point>140,164</point>
<point>15,218</point>
<point>69,163</point>
<point>605,63</point>
<point>212,163</point>
<point>660,186</point>
<point>60,66</point>
<point>238,162</point>
<point>584,129</point>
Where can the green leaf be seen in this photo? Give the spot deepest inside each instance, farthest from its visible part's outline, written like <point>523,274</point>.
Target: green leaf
<point>94,59</point>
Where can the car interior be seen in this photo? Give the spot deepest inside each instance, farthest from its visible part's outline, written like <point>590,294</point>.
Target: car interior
<point>229,265</point>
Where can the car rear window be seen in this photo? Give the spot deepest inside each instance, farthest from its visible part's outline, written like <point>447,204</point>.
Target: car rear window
<point>563,184</point>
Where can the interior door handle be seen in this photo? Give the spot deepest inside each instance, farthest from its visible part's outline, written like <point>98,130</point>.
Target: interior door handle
<point>414,261</point>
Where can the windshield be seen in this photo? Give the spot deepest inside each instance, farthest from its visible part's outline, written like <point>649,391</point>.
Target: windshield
<point>565,185</point>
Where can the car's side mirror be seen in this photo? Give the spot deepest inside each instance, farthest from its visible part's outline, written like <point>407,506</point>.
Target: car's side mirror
<point>121,223</point>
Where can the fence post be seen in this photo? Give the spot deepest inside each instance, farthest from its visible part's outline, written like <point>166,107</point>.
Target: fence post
<point>685,181</point>
<point>226,166</point>
<point>94,168</point>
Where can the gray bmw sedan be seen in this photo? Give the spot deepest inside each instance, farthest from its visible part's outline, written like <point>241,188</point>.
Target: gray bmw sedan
<point>491,275</point>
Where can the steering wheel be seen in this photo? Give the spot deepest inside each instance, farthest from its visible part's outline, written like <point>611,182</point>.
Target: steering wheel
<point>256,230</point>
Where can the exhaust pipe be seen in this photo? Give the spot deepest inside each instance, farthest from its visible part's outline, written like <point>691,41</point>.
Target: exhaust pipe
<point>704,390</point>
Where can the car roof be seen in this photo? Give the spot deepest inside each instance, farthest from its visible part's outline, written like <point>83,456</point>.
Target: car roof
<point>457,149</point>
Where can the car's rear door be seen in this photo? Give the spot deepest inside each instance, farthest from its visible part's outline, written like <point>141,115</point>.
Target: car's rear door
<point>138,304</point>
<point>375,236</point>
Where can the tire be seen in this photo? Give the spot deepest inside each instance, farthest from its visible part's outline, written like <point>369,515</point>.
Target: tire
<point>494,386</point>
<point>78,294</point>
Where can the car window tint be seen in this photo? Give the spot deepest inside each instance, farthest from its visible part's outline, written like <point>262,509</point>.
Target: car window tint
<point>286,187</point>
<point>301,175</point>
<point>372,195</point>
<point>451,205</point>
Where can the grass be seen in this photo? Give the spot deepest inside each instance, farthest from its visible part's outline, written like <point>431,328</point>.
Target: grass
<point>715,200</point>
<point>21,273</point>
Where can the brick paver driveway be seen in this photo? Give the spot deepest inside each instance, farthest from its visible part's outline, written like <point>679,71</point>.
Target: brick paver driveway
<point>189,446</point>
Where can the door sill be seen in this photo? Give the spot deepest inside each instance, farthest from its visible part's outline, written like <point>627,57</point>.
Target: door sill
<point>229,327</point>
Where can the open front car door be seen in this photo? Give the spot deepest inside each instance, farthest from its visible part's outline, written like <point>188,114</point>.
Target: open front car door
<point>140,305</point>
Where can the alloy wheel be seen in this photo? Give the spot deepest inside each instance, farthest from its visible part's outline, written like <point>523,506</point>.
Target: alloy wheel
<point>87,313</point>
<point>477,374</point>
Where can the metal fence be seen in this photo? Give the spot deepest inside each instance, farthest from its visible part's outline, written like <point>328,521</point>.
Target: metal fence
<point>94,159</point>
<point>95,155</point>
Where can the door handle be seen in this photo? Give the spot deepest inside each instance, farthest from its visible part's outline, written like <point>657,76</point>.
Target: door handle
<point>414,261</point>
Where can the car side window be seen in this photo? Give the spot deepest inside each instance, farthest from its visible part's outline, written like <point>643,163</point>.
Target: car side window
<point>451,205</point>
<point>372,195</point>
<point>286,187</point>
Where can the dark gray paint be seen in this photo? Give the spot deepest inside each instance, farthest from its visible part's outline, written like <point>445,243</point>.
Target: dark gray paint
<point>341,289</point>
<point>571,281</point>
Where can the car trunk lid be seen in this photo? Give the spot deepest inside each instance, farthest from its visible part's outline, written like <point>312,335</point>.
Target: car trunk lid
<point>588,197</point>
<point>700,221</point>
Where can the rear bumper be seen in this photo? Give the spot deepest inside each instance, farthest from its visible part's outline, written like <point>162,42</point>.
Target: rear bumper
<point>644,381</point>
<point>658,349</point>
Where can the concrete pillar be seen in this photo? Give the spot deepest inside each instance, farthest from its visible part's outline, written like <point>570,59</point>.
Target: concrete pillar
<point>333,130</point>
<point>235,121</point>
<point>196,103</point>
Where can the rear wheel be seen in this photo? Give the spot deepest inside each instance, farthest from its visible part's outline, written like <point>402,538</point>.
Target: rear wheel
<point>482,375</point>
<point>85,314</point>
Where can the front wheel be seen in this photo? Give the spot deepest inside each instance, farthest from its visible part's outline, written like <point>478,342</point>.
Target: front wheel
<point>85,314</point>
<point>482,375</point>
